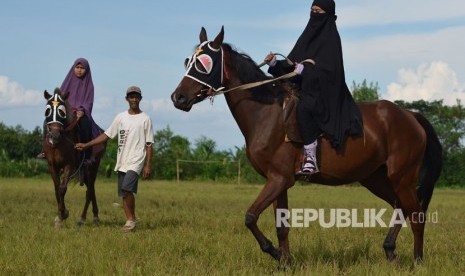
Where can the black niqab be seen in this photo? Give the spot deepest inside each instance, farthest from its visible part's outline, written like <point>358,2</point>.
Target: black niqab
<point>335,111</point>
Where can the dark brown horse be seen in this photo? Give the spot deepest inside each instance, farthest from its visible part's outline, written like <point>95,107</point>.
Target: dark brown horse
<point>398,158</point>
<point>64,162</point>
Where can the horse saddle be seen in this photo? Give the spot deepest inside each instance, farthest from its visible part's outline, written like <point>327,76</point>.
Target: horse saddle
<point>290,118</point>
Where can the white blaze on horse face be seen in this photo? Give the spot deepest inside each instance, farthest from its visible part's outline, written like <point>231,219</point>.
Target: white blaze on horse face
<point>58,110</point>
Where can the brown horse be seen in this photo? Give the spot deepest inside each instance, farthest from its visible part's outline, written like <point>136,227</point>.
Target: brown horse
<point>64,162</point>
<point>398,158</point>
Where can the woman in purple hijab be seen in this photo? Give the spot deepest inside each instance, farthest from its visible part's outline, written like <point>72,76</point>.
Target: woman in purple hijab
<point>79,88</point>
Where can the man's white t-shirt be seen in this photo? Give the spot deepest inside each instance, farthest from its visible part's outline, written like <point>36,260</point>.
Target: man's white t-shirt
<point>134,132</point>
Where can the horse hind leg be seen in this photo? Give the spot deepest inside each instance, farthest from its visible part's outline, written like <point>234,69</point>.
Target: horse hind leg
<point>379,184</point>
<point>406,192</point>
<point>91,188</point>
<point>90,177</point>
<point>412,209</point>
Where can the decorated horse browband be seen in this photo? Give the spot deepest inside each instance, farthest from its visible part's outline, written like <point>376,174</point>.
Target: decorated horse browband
<point>55,111</point>
<point>206,66</point>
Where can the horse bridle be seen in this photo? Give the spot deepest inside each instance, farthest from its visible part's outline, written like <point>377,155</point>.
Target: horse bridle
<point>56,119</point>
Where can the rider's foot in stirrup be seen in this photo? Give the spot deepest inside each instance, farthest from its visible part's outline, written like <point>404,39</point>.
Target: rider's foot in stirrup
<point>309,166</point>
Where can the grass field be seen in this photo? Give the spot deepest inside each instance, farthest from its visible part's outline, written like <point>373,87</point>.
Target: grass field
<point>198,229</point>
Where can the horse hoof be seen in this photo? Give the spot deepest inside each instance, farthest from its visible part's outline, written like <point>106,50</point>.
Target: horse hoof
<point>393,259</point>
<point>96,221</point>
<point>81,222</point>
<point>285,260</point>
<point>284,263</point>
<point>58,222</point>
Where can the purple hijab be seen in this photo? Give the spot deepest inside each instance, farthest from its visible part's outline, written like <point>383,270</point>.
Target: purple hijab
<point>80,91</point>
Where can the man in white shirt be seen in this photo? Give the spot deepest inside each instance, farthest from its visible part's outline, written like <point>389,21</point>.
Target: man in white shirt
<point>135,138</point>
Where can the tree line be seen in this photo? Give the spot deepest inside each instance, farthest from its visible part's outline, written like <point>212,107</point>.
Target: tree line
<point>201,160</point>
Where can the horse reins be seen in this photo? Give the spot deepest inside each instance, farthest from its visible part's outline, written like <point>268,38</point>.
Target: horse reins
<point>259,83</point>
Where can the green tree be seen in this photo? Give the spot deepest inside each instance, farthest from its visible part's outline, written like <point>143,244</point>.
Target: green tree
<point>448,121</point>
<point>18,144</point>
<point>18,148</point>
<point>168,148</point>
<point>108,162</point>
<point>365,93</point>
<point>204,148</point>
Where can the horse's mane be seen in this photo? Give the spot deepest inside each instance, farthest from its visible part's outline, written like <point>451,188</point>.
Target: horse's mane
<point>248,72</point>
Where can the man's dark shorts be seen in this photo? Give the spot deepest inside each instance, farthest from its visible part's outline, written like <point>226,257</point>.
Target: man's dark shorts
<point>127,181</point>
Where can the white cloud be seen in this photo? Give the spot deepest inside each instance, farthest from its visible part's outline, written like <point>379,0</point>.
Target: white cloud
<point>13,94</point>
<point>379,59</point>
<point>434,81</point>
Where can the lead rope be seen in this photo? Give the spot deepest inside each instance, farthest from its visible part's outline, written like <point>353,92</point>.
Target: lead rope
<point>69,128</point>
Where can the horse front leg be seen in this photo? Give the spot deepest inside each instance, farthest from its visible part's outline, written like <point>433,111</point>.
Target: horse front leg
<point>63,213</point>
<point>56,184</point>
<point>270,192</point>
<point>282,230</point>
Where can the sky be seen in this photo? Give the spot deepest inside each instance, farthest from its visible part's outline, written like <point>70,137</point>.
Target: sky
<point>412,49</point>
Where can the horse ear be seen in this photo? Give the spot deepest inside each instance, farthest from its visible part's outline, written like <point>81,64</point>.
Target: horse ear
<point>218,39</point>
<point>47,95</point>
<point>64,96</point>
<point>203,35</point>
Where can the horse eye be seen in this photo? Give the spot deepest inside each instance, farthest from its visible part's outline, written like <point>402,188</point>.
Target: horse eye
<point>62,111</point>
<point>187,62</point>
<point>48,111</point>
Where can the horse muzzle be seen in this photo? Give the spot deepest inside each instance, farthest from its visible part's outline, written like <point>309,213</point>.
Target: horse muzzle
<point>184,102</point>
<point>54,134</point>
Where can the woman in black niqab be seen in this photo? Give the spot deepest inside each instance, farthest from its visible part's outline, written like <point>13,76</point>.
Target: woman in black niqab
<point>326,105</point>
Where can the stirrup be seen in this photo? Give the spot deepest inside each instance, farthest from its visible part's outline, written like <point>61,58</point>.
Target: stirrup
<point>41,155</point>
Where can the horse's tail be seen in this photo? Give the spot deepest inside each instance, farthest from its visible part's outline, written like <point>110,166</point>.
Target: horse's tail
<point>432,163</point>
